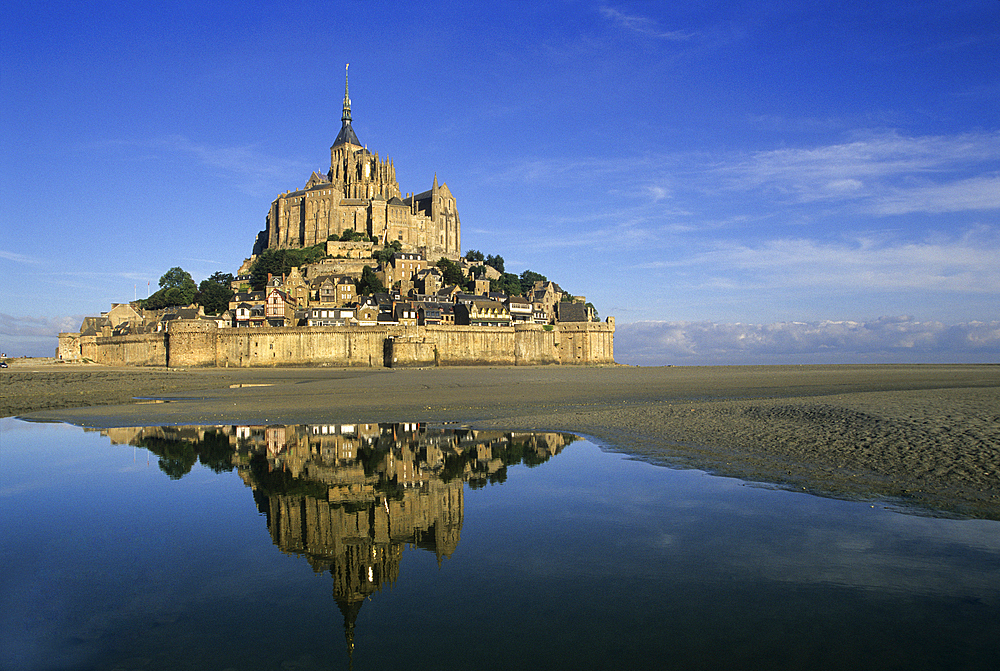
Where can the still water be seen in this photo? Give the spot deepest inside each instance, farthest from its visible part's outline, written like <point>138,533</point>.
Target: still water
<point>376,546</point>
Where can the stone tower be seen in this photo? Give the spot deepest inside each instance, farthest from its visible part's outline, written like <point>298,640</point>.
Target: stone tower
<point>360,192</point>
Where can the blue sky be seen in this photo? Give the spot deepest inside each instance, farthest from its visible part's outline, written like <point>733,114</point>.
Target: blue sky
<point>757,182</point>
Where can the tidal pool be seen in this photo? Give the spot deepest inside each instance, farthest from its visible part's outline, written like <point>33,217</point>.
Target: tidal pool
<point>374,546</point>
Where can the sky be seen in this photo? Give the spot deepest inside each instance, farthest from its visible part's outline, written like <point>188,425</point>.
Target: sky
<point>733,182</point>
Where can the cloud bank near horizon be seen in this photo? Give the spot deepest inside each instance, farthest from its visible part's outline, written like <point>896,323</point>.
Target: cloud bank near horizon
<point>34,336</point>
<point>900,339</point>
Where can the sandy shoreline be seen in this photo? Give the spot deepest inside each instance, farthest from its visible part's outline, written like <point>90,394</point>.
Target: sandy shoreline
<point>927,435</point>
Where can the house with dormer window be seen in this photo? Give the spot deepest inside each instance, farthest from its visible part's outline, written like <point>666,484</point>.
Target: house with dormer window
<point>482,313</point>
<point>406,313</point>
<point>279,308</point>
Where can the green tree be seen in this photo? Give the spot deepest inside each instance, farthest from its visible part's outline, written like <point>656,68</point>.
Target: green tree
<point>508,283</point>
<point>270,262</point>
<point>495,262</point>
<point>474,255</point>
<point>384,255</point>
<point>528,279</point>
<point>214,293</point>
<point>350,235</point>
<point>451,272</point>
<point>176,277</point>
<point>368,283</point>
<point>281,261</point>
<point>176,288</point>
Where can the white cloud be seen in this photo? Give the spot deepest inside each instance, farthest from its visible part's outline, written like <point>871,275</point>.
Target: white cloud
<point>976,193</point>
<point>255,171</point>
<point>644,25</point>
<point>38,326</point>
<point>34,336</point>
<point>888,172</point>
<point>18,258</point>
<point>873,175</point>
<point>963,263</point>
<point>889,339</point>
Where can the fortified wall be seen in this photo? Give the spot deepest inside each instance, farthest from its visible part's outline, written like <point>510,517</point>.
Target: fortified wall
<point>193,343</point>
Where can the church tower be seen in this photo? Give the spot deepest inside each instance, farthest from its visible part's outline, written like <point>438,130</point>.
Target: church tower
<point>360,193</point>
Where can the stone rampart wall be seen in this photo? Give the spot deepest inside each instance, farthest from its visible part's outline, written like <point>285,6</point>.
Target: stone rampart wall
<point>202,343</point>
<point>192,343</point>
<point>148,349</point>
<point>587,342</point>
<point>69,347</point>
<point>305,345</point>
<point>472,345</point>
<point>536,345</point>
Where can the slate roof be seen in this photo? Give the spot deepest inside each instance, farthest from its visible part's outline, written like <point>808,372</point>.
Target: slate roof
<point>346,135</point>
<point>572,312</point>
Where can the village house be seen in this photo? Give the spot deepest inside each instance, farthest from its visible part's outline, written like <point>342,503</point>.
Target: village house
<point>296,286</point>
<point>366,313</point>
<point>330,316</point>
<point>405,313</point>
<point>279,308</point>
<point>574,312</point>
<point>520,309</point>
<point>429,280</point>
<point>482,313</point>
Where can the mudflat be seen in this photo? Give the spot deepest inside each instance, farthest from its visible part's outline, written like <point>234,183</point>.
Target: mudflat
<point>920,435</point>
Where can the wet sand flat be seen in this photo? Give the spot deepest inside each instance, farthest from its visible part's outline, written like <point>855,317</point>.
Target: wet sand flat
<point>922,434</point>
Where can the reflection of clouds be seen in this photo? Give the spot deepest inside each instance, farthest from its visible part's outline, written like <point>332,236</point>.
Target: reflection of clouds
<point>686,527</point>
<point>850,544</point>
<point>868,560</point>
<point>664,540</point>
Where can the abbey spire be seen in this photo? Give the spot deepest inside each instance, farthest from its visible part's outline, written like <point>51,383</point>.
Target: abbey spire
<point>347,98</point>
<point>346,134</point>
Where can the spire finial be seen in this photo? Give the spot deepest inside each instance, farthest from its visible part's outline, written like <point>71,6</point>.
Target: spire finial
<point>347,100</point>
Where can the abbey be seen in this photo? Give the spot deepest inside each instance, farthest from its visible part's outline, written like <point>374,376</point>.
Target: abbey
<point>360,192</point>
<point>316,314</point>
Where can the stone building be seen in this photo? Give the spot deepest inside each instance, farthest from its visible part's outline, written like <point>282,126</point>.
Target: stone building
<point>360,192</point>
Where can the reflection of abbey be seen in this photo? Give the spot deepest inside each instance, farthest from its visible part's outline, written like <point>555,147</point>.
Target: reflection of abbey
<point>381,281</point>
<point>360,192</point>
<point>350,498</point>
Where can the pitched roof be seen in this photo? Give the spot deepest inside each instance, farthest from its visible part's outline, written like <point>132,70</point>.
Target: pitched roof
<point>572,312</point>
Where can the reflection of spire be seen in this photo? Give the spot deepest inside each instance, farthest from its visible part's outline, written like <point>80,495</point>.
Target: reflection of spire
<point>350,499</point>
<point>350,610</point>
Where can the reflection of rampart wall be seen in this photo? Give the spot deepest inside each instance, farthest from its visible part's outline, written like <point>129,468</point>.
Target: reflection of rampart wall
<point>132,435</point>
<point>203,343</point>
